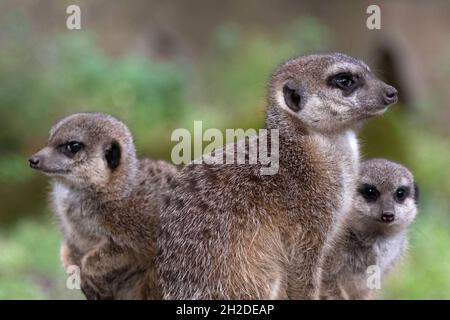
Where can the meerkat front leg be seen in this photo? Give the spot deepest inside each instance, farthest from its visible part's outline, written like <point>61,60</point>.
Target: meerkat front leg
<point>303,281</point>
<point>333,291</point>
<point>66,255</point>
<point>103,259</point>
<point>69,258</point>
<point>97,264</point>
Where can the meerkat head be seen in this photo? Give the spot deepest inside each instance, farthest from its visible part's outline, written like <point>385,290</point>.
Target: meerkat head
<point>329,92</point>
<point>387,197</point>
<point>88,150</point>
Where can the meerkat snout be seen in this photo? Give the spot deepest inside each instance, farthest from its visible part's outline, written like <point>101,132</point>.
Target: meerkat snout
<point>48,163</point>
<point>387,217</point>
<point>34,162</point>
<point>390,95</point>
<point>329,92</point>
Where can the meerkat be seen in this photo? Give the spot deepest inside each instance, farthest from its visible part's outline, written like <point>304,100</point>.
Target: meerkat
<point>229,232</point>
<point>373,234</point>
<point>106,202</point>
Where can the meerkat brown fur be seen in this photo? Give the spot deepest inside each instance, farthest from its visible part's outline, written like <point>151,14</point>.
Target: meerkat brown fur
<point>373,233</point>
<point>106,203</point>
<point>228,232</point>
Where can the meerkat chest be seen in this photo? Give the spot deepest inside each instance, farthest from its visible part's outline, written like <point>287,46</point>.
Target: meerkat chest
<point>76,222</point>
<point>387,251</point>
<point>342,155</point>
<point>349,168</point>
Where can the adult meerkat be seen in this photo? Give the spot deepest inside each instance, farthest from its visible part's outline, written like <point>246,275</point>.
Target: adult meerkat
<point>373,233</point>
<point>106,203</point>
<point>228,232</point>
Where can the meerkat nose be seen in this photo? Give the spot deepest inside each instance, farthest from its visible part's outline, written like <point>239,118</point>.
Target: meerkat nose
<point>34,162</point>
<point>390,95</point>
<point>387,217</point>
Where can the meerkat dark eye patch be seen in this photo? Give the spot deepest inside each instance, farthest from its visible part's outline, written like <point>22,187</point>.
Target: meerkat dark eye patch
<point>345,81</point>
<point>71,148</point>
<point>113,155</point>
<point>292,95</point>
<point>369,192</point>
<point>401,194</point>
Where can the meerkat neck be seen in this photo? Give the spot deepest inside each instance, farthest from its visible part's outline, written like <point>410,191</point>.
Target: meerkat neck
<point>290,126</point>
<point>286,124</point>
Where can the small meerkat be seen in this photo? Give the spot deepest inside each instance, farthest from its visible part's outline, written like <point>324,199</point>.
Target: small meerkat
<point>373,233</point>
<point>229,232</point>
<point>106,202</point>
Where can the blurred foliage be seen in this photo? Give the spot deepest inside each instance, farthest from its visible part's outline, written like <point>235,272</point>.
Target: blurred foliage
<point>43,79</point>
<point>69,74</point>
<point>40,83</point>
<point>403,138</point>
<point>239,64</point>
<point>424,274</point>
<point>29,263</point>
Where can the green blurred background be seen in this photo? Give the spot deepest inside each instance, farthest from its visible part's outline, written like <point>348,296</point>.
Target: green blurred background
<point>161,65</point>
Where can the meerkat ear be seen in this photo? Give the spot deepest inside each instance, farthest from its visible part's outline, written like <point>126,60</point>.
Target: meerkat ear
<point>416,193</point>
<point>292,95</point>
<point>113,155</point>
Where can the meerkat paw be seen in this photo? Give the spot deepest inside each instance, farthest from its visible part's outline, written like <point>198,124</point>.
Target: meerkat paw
<point>91,264</point>
<point>94,288</point>
<point>65,254</point>
<point>92,278</point>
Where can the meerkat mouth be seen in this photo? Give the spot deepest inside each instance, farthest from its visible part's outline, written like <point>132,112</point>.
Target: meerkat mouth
<point>375,111</point>
<point>379,109</point>
<point>54,172</point>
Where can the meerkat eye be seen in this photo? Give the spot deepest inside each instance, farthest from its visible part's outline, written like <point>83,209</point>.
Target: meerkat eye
<point>343,81</point>
<point>73,146</point>
<point>401,194</point>
<point>369,192</point>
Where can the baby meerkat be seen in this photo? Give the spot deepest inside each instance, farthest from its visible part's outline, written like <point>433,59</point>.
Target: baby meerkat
<point>106,202</point>
<point>229,232</point>
<point>373,233</point>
